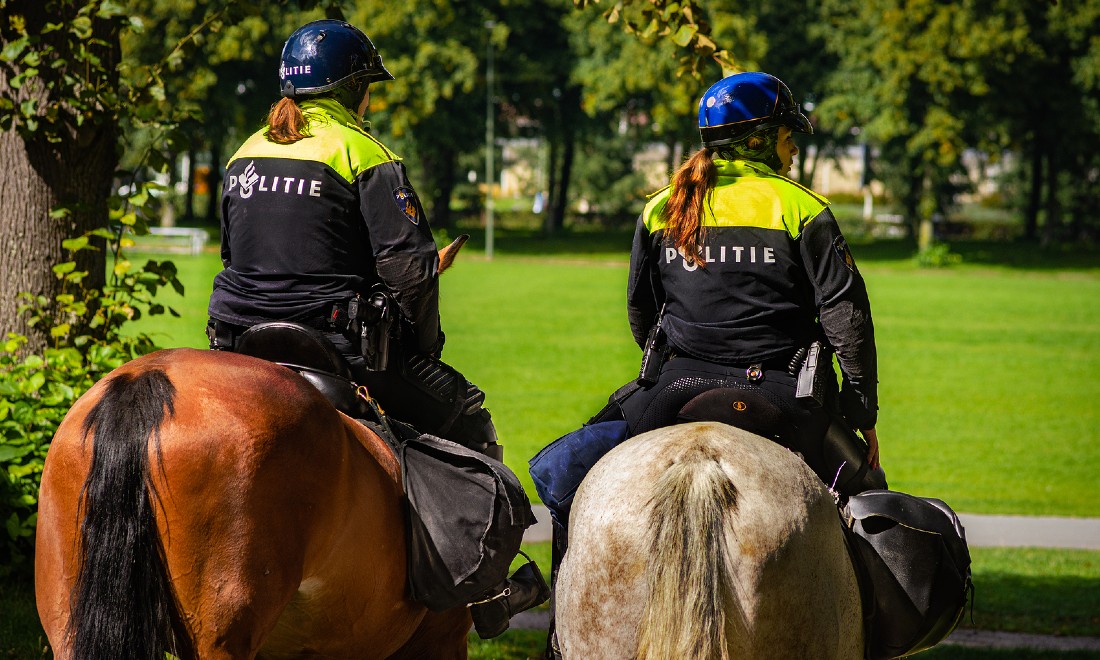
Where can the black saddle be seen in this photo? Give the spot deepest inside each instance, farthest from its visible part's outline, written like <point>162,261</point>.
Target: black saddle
<point>309,353</point>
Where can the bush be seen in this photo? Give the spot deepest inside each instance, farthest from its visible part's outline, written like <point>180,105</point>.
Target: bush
<point>37,389</point>
<point>938,255</point>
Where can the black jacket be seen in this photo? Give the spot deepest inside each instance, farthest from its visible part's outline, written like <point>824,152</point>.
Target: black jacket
<point>773,275</point>
<point>313,223</point>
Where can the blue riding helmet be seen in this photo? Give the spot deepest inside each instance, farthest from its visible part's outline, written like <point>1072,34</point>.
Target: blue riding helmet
<point>739,105</point>
<point>327,54</point>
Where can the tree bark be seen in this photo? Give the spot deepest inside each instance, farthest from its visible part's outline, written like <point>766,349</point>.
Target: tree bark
<point>74,171</point>
<point>552,187</point>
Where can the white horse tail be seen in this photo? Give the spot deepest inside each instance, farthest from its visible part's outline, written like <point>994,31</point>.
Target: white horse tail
<point>691,585</point>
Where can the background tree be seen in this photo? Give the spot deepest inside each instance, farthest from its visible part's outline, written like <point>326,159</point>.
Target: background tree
<point>59,110</point>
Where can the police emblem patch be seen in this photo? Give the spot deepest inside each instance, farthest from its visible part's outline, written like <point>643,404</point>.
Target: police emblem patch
<point>840,246</point>
<point>407,203</point>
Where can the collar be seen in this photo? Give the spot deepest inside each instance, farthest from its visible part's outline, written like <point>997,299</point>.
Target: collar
<point>740,167</point>
<point>330,107</point>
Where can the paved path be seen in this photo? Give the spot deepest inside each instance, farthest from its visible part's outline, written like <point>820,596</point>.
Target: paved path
<point>981,531</point>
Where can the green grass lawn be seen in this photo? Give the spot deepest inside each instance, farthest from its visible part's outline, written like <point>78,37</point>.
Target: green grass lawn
<point>988,370</point>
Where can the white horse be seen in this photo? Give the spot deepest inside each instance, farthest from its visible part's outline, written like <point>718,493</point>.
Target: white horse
<point>704,541</point>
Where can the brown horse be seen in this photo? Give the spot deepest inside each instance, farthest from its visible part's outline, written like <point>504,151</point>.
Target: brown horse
<point>214,505</point>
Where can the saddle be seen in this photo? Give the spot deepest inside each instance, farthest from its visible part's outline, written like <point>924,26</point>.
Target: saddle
<point>307,351</point>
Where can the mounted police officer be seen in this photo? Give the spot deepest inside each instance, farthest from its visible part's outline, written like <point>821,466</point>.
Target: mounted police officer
<point>321,227</point>
<point>748,276</point>
<point>741,285</point>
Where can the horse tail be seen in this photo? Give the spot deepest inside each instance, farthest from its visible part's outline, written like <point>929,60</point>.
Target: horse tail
<point>691,585</point>
<point>123,603</point>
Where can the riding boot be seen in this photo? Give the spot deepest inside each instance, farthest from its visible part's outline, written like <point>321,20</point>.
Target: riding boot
<point>846,468</point>
<point>560,543</point>
<point>524,590</point>
<point>476,431</point>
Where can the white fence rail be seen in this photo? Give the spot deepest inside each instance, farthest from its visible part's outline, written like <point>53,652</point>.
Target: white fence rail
<point>194,237</point>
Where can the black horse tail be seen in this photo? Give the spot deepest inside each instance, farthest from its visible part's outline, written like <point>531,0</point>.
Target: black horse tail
<point>123,604</point>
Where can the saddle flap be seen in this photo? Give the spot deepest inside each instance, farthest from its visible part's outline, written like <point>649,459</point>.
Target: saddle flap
<point>913,551</point>
<point>925,514</point>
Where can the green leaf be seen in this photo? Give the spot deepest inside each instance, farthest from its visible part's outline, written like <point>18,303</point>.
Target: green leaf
<point>59,330</point>
<point>684,35</point>
<point>9,453</point>
<point>122,267</point>
<point>59,212</point>
<point>75,244</point>
<point>14,49</point>
<point>34,383</point>
<point>81,26</point>
<point>65,267</point>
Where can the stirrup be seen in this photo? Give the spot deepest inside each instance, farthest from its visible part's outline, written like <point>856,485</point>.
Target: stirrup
<point>524,590</point>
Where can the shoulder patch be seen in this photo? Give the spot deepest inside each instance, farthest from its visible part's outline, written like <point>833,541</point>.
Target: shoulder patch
<point>840,246</point>
<point>407,203</point>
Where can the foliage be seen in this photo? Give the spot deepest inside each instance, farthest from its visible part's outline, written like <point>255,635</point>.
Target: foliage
<point>38,388</point>
<point>937,255</point>
<point>681,21</point>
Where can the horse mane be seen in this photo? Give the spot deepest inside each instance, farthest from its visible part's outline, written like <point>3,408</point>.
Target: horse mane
<point>690,594</point>
<point>124,603</point>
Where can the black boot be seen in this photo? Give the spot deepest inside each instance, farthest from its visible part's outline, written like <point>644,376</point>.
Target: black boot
<point>524,590</point>
<point>560,539</point>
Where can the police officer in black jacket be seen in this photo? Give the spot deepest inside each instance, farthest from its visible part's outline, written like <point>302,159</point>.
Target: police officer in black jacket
<point>317,216</point>
<point>745,270</point>
<point>316,212</point>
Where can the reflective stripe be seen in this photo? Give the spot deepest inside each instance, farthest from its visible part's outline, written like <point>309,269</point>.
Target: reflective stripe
<point>748,195</point>
<point>334,140</point>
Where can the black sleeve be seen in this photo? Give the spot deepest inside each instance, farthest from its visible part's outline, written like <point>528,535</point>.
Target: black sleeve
<point>845,314</point>
<point>405,253</point>
<point>641,298</point>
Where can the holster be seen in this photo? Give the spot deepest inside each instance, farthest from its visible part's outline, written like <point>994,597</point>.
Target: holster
<point>373,321</point>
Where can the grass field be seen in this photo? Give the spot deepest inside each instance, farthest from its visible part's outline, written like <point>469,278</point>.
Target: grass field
<point>989,370</point>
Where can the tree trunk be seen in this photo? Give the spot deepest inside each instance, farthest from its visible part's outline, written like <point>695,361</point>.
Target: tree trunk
<point>557,211</point>
<point>552,182</point>
<point>1035,194</point>
<point>189,195</point>
<point>1052,222</point>
<point>73,172</point>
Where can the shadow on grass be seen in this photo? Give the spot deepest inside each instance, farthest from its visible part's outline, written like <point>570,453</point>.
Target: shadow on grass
<point>1039,604</point>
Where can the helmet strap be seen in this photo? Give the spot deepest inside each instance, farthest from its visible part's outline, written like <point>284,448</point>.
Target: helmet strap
<point>350,94</point>
<point>766,152</point>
